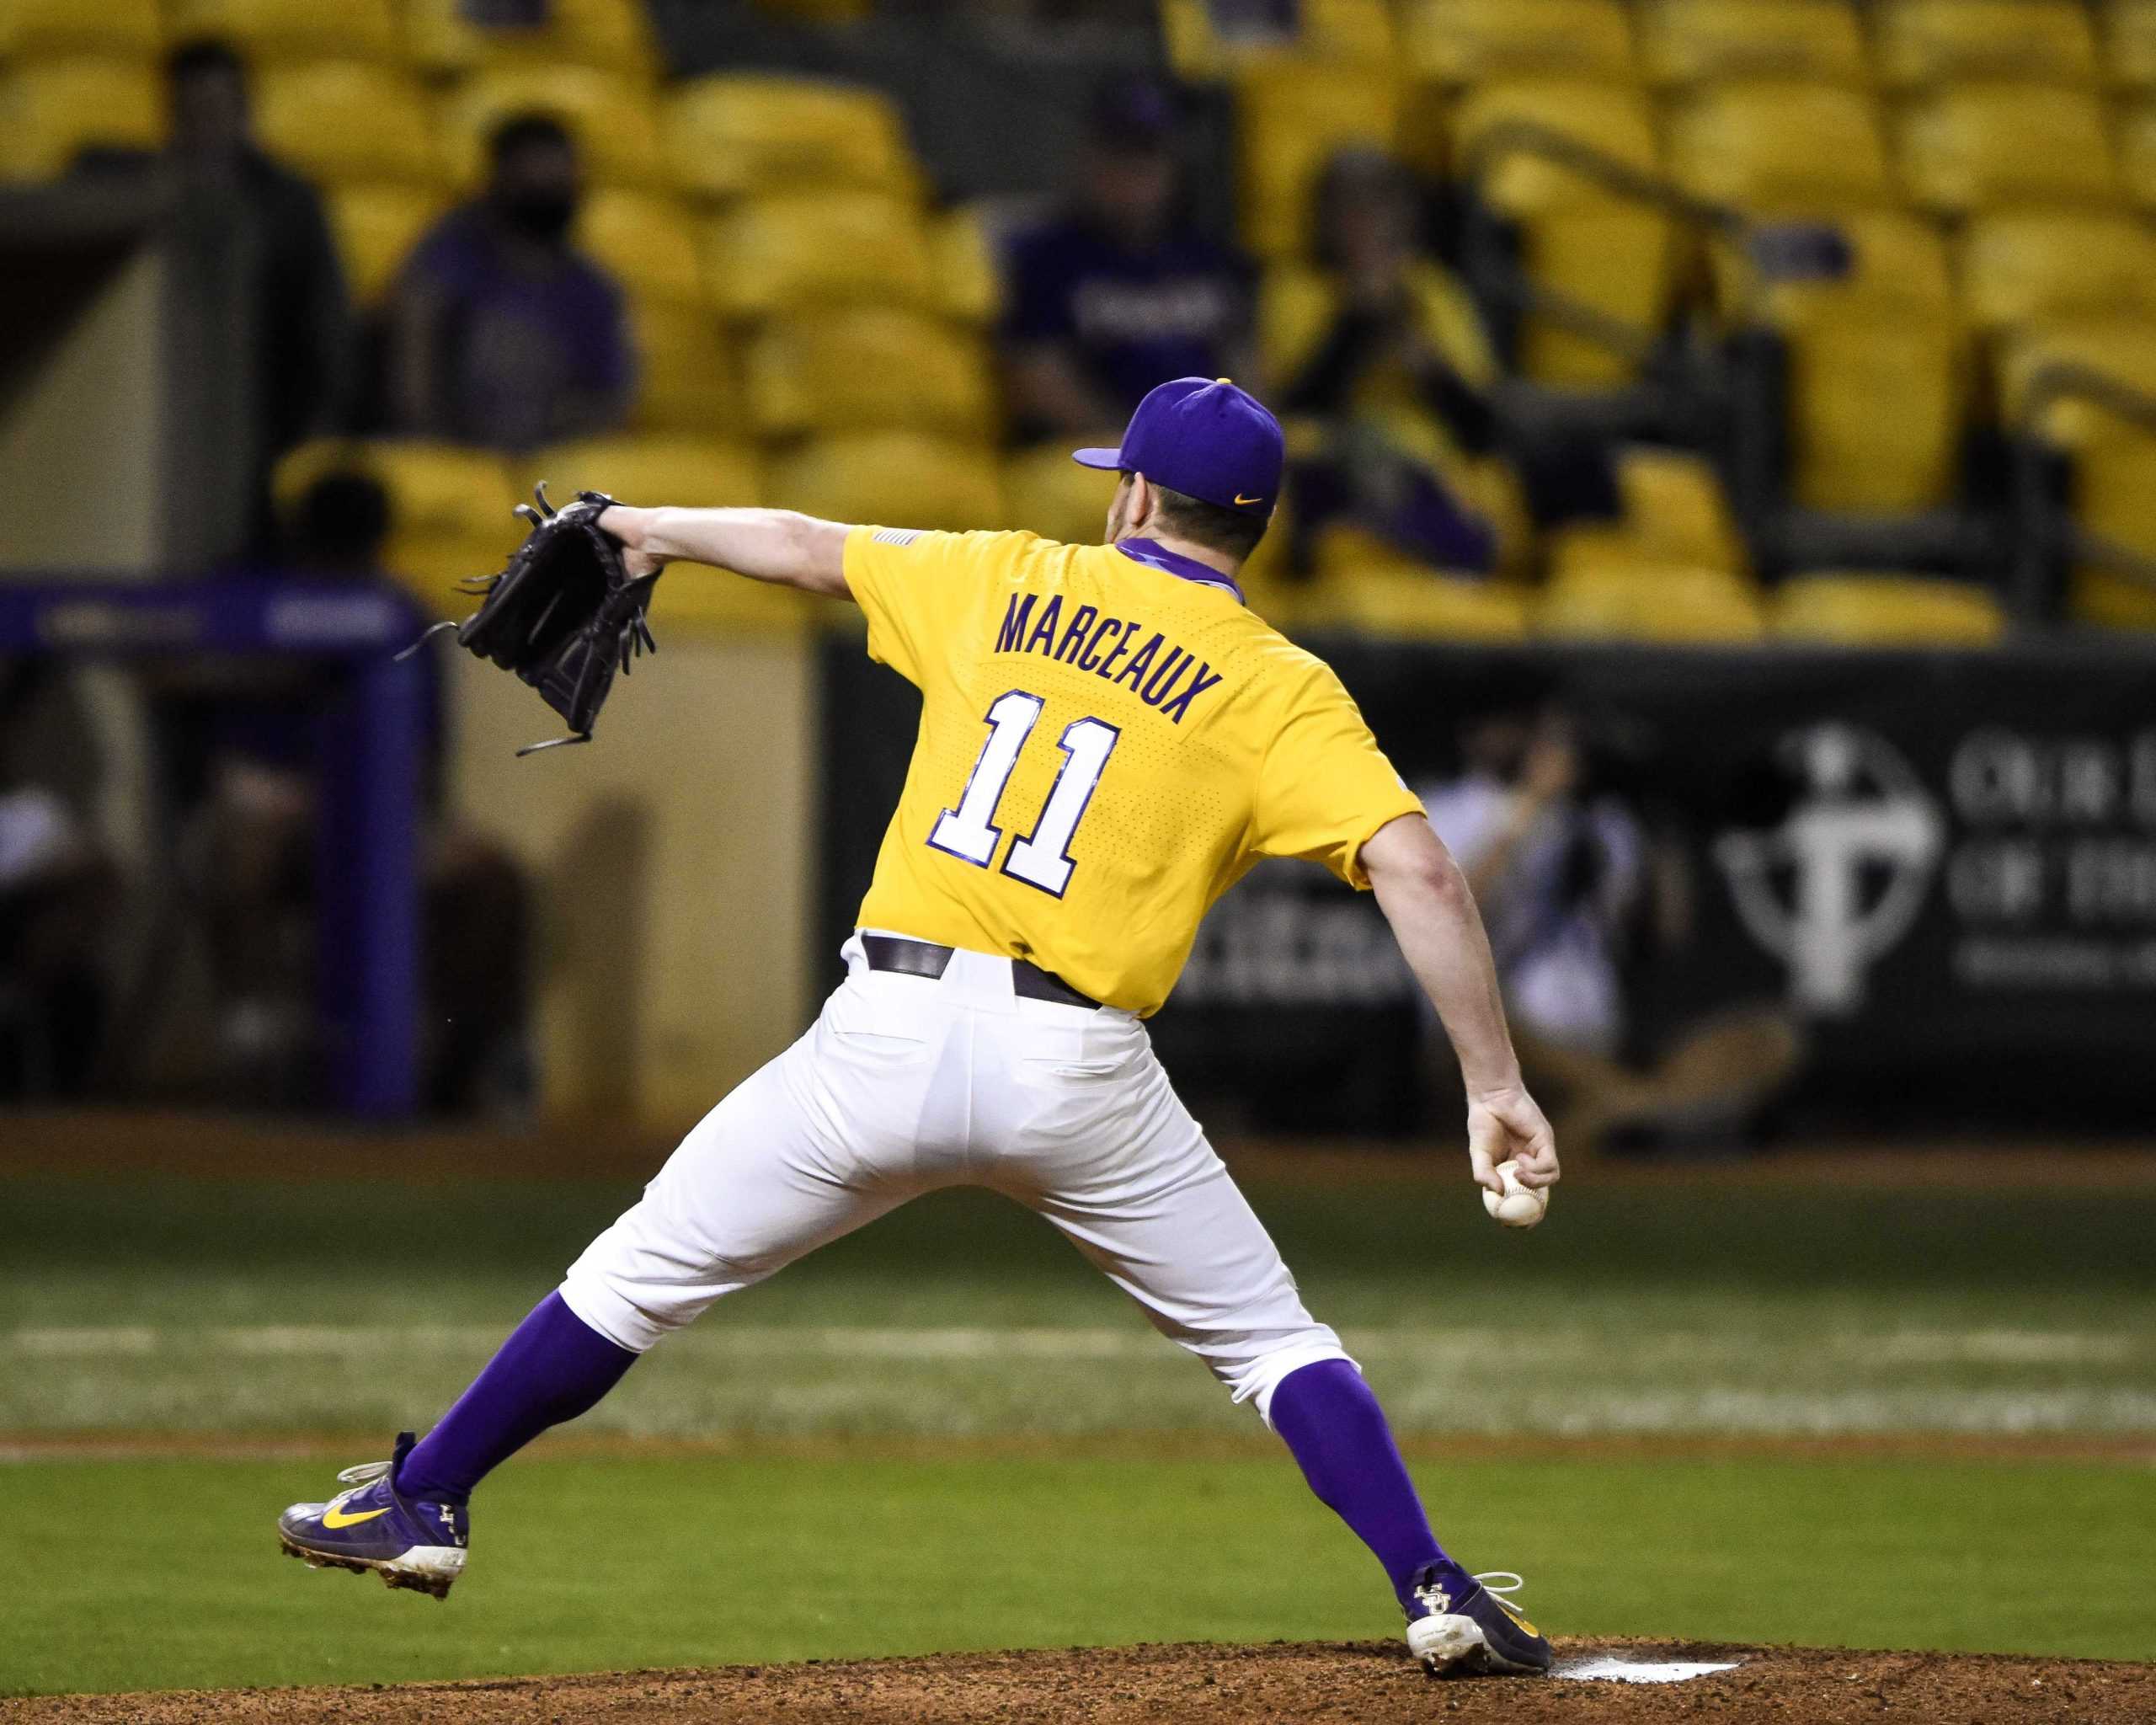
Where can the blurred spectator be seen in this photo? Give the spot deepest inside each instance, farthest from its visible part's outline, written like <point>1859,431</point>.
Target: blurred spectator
<point>57,891</point>
<point>500,331</point>
<point>1390,357</point>
<point>1400,374</point>
<point>1559,875</point>
<point>252,854</point>
<point>1120,291</point>
<point>257,231</point>
<point>1562,869</point>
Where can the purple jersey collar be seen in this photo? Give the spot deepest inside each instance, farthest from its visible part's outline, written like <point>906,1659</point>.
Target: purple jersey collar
<point>1156,556</point>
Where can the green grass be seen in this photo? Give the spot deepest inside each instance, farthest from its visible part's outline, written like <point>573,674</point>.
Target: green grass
<point>304,1307</point>
<point>592,1563</point>
<point>1667,1312</point>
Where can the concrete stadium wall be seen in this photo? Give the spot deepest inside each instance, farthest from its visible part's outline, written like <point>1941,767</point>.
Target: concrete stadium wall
<point>673,857</point>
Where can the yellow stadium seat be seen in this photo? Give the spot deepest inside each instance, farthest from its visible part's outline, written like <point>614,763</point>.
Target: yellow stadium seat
<point>2030,266</point>
<point>376,227</point>
<point>1476,41</point>
<point>1878,375</point>
<point>2130,44</point>
<point>1290,120</point>
<point>1295,307</point>
<point>750,132</point>
<point>685,471</point>
<point>51,110</point>
<point>1047,493</point>
<point>1775,147</point>
<point>1983,147</point>
<point>609,114</point>
<point>1616,260</point>
<point>2122,348</point>
<point>719,602</point>
<point>695,475</point>
<point>1348,32</point>
<point>2137,136</point>
<point>1876,400</point>
<point>1611,119</point>
<point>1614,257</point>
<point>1362,583</point>
<point>968,275</point>
<point>1859,610</point>
<point>1926,42</point>
<point>1675,507</point>
<point>341,120</point>
<point>2110,600</point>
<point>777,253</point>
<point>123,29</point>
<point>2114,500</point>
<point>892,478</point>
<point>1711,41</point>
<point>1896,261</point>
<point>685,375</point>
<point>2113,460</point>
<point>647,241</point>
<point>869,368</point>
<point>449,507</point>
<point>609,35</point>
<point>1627,601</point>
<point>292,29</point>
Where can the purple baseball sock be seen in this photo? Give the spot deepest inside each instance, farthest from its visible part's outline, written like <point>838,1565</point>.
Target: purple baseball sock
<point>553,1367</point>
<point>1331,1422</point>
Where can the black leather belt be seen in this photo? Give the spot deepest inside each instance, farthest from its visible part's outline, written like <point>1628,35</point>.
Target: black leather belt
<point>921,958</point>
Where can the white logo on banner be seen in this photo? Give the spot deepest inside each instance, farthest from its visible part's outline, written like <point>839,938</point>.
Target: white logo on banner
<point>1811,890</point>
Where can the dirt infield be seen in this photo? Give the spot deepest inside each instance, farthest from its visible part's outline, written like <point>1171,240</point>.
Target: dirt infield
<point>1363,1682</point>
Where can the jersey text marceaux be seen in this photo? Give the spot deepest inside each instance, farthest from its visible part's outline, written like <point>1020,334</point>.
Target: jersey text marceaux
<point>1118,650</point>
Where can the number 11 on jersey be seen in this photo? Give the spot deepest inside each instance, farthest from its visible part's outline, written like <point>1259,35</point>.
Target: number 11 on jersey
<point>1042,857</point>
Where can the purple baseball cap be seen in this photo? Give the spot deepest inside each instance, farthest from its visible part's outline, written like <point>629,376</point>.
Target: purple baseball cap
<point>1207,440</point>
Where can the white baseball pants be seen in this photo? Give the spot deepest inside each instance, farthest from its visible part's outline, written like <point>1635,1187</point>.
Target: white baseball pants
<point>904,1085</point>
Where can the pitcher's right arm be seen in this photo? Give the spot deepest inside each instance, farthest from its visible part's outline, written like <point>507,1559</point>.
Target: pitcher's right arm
<point>1426,898</point>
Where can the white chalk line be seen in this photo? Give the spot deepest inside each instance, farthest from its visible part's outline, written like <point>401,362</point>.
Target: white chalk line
<point>1984,1346</point>
<point>1661,1383</point>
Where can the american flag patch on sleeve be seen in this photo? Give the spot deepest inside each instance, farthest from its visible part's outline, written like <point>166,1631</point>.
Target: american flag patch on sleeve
<point>895,536</point>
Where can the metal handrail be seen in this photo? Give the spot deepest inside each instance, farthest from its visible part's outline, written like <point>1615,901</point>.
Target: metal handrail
<point>1621,179</point>
<point>2056,381</point>
<point>2069,380</point>
<point>1530,137</point>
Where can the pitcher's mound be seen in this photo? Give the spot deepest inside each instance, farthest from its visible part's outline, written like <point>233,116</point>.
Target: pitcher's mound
<point>1608,1682</point>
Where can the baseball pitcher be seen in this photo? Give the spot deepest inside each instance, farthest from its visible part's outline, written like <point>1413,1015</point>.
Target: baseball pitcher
<point>1109,739</point>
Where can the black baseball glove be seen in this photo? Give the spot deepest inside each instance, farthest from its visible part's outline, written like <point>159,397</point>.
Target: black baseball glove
<point>565,614</point>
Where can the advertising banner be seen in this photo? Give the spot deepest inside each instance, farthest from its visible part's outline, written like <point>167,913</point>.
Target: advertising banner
<point>1941,867</point>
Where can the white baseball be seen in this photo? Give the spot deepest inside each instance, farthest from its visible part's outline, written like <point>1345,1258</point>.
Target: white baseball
<point>1522,1206</point>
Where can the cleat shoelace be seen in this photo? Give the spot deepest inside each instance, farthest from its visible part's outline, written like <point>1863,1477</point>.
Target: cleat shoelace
<point>366,1473</point>
<point>1501,1585</point>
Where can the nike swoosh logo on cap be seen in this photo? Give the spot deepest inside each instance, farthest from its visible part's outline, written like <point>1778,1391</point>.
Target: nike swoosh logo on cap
<point>1240,498</point>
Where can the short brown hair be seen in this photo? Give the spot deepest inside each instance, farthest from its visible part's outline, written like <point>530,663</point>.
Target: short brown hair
<point>1234,532</point>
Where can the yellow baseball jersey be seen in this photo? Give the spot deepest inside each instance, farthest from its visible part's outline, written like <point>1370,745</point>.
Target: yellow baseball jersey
<point>1106,747</point>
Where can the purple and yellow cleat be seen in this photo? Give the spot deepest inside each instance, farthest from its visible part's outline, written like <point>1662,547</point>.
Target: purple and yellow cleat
<point>408,1541</point>
<point>1463,1623</point>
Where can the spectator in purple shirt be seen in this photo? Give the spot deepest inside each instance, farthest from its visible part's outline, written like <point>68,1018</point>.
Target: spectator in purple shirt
<point>500,331</point>
<point>1119,292</point>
